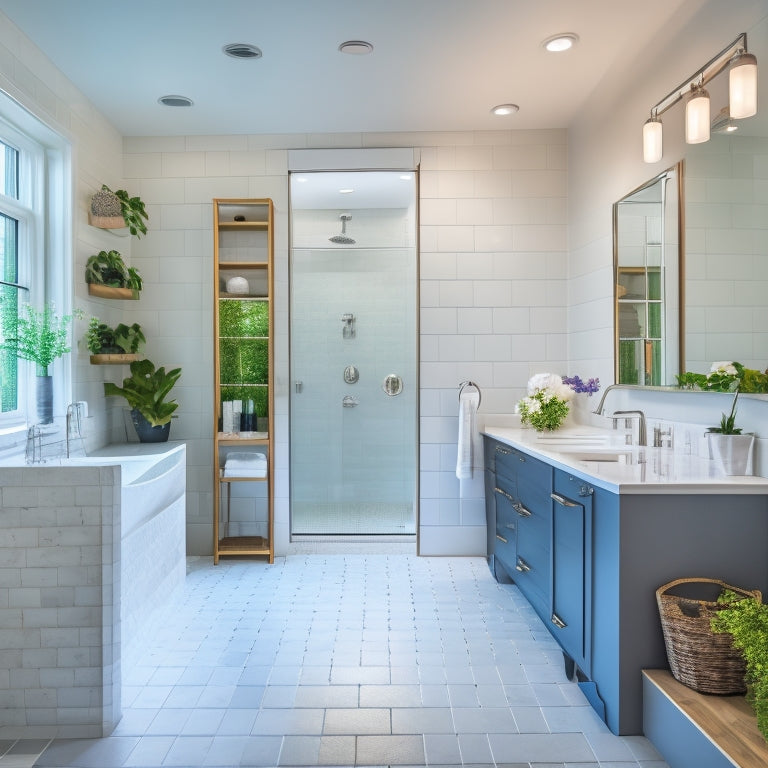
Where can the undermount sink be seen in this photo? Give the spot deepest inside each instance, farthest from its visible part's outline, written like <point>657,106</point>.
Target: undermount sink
<point>614,455</point>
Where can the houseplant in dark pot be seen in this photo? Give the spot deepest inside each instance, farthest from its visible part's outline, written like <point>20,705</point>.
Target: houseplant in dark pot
<point>39,336</point>
<point>146,390</point>
<point>109,277</point>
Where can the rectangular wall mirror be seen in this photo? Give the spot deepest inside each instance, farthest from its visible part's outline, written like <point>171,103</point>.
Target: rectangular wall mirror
<point>648,271</point>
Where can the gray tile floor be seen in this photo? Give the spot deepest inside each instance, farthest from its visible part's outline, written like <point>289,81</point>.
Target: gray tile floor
<point>344,660</point>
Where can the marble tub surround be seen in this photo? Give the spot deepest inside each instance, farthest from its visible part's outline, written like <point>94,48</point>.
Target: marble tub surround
<point>86,549</point>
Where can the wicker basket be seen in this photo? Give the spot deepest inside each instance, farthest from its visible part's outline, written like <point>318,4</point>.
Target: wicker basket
<point>699,658</point>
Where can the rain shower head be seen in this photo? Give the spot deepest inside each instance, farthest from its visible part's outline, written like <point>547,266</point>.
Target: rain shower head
<point>343,238</point>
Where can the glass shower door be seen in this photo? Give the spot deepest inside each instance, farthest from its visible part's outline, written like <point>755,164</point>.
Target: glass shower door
<point>354,392</point>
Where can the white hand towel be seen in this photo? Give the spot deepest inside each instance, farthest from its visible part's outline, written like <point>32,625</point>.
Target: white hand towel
<point>468,403</point>
<point>245,460</point>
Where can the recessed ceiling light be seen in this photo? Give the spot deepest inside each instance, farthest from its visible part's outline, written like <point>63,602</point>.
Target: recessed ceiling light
<point>346,191</point>
<point>175,101</point>
<point>561,42</point>
<point>405,177</point>
<point>505,109</point>
<point>242,51</point>
<point>356,47</point>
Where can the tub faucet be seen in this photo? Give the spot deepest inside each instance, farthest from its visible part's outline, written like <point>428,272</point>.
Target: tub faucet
<point>641,433</point>
<point>72,431</point>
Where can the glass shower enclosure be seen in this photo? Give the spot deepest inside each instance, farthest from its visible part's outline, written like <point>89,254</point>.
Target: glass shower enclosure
<point>353,355</point>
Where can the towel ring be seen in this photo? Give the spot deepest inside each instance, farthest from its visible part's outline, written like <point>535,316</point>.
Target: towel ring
<point>465,384</point>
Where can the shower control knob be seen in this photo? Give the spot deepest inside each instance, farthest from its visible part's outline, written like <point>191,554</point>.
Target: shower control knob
<point>393,385</point>
<point>351,374</point>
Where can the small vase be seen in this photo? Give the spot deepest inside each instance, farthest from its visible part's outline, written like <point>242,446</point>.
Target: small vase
<point>732,453</point>
<point>44,399</point>
<point>146,432</point>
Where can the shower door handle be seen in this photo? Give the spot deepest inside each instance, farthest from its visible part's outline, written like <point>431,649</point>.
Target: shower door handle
<point>298,385</point>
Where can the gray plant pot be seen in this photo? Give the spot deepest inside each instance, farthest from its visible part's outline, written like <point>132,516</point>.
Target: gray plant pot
<point>146,432</point>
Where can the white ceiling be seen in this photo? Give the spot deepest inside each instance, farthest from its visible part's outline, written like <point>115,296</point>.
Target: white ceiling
<point>437,65</point>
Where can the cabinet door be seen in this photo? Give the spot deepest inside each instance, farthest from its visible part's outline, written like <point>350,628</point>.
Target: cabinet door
<point>570,619</point>
<point>534,485</point>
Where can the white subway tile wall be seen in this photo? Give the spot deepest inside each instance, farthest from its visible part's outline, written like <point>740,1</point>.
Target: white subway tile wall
<point>493,271</point>
<point>59,580</point>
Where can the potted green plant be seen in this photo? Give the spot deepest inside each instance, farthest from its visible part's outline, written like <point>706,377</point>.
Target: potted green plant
<point>111,210</point>
<point>40,336</point>
<point>746,619</point>
<point>146,390</point>
<point>113,345</point>
<point>109,277</point>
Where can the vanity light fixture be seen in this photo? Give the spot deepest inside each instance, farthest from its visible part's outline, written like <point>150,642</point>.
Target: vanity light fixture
<point>742,85</point>
<point>742,98</point>
<point>562,42</point>
<point>505,109</point>
<point>697,116</point>
<point>652,140</point>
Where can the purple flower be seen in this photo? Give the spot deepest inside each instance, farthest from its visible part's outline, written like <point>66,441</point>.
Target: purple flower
<point>578,385</point>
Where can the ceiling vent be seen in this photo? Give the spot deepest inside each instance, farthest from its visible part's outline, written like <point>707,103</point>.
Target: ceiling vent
<point>242,51</point>
<point>175,101</point>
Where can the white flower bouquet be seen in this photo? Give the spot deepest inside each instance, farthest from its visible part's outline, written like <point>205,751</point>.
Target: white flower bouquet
<point>547,403</point>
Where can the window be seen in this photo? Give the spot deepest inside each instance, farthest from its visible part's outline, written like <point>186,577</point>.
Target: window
<point>35,252</point>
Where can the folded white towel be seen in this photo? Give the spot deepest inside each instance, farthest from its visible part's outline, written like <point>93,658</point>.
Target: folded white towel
<point>245,460</point>
<point>241,472</point>
<point>469,401</point>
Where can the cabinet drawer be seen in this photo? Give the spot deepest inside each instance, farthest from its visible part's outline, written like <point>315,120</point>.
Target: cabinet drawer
<point>505,460</point>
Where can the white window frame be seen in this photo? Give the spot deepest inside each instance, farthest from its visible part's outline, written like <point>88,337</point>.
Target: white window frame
<point>44,213</point>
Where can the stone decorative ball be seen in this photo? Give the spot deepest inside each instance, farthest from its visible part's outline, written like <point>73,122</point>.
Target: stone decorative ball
<point>105,203</point>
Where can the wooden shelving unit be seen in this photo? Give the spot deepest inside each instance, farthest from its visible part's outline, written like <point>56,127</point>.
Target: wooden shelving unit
<point>243,373</point>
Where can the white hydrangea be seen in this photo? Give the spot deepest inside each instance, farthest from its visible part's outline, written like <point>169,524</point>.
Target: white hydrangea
<point>544,381</point>
<point>724,367</point>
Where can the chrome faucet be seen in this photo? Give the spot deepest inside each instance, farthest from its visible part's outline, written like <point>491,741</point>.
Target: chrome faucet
<point>641,434</point>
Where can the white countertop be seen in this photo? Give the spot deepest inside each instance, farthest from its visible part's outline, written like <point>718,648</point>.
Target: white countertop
<point>643,470</point>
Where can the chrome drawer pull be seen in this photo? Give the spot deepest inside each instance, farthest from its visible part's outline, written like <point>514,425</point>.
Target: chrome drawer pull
<point>522,566</point>
<point>522,511</point>
<point>558,622</point>
<point>503,451</point>
<point>562,500</point>
<point>501,538</point>
<point>504,494</point>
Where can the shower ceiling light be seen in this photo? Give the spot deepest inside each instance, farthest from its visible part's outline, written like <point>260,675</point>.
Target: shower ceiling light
<point>356,47</point>
<point>346,191</point>
<point>505,109</point>
<point>742,96</point>
<point>562,42</point>
<point>242,51</point>
<point>175,101</point>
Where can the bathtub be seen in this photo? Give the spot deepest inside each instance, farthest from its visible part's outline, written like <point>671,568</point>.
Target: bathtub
<point>152,532</point>
<point>99,545</point>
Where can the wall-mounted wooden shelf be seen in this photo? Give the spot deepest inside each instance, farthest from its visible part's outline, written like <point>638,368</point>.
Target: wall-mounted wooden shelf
<point>111,292</point>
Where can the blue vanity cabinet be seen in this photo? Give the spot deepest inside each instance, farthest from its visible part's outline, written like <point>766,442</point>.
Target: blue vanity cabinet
<point>570,619</point>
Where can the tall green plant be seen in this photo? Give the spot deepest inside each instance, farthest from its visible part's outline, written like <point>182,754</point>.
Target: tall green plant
<point>40,336</point>
<point>146,389</point>
<point>746,619</point>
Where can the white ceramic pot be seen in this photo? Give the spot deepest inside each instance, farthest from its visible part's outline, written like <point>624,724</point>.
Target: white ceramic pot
<point>732,453</point>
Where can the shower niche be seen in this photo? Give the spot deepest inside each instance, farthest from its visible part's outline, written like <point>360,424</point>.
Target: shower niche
<point>243,519</point>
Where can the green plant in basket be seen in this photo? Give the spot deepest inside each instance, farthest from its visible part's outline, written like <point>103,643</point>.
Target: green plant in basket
<point>746,619</point>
